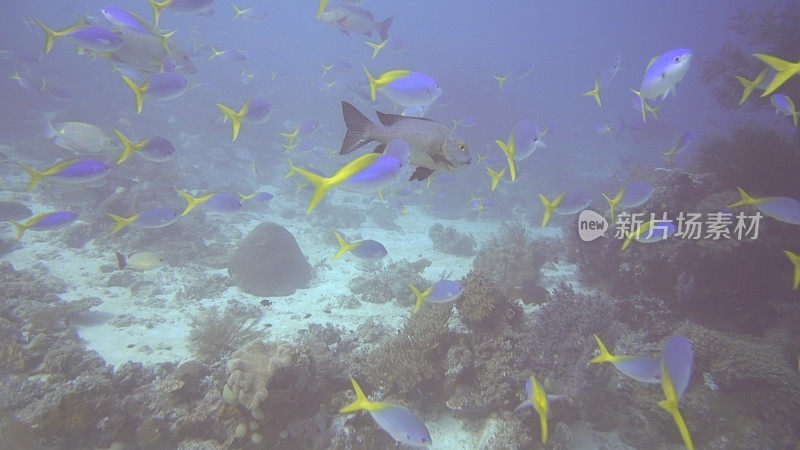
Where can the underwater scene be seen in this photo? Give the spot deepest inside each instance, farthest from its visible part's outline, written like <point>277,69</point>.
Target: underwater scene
<point>364,224</point>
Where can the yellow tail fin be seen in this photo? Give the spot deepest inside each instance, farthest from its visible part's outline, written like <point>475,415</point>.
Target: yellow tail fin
<point>157,7</point>
<point>383,80</point>
<point>121,222</point>
<point>612,202</point>
<point>595,93</point>
<point>21,227</point>
<point>643,102</point>
<point>35,175</point>
<point>746,199</point>
<point>51,35</point>
<point>128,146</point>
<point>549,206</point>
<point>344,246</point>
<point>495,176</point>
<point>420,296</point>
<point>236,117</point>
<point>138,91</point>
<point>322,5</point>
<point>784,69</point>
<point>361,401</point>
<point>376,48</point>
<point>509,149</point>
<point>501,81</point>
<point>605,355</point>
<point>192,202</point>
<point>795,259</point>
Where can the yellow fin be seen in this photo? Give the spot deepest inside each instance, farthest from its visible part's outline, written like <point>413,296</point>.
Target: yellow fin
<point>138,91</point>
<point>539,401</point>
<point>550,206</point>
<point>670,404</point>
<point>784,69</point>
<point>192,202</point>
<point>121,222</point>
<point>420,296</point>
<point>612,202</point>
<point>361,401</point>
<point>509,149</point>
<point>157,7</point>
<point>322,5</point>
<point>383,80</point>
<point>376,48</point>
<point>344,246</point>
<point>501,81</point>
<point>605,355</point>
<point>795,259</point>
<point>643,102</point>
<point>746,199</point>
<point>496,176</point>
<point>51,35</point>
<point>128,147</point>
<point>236,117</point>
<point>595,93</point>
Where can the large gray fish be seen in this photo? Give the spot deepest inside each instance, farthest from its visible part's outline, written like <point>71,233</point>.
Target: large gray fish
<point>433,146</point>
<point>351,19</point>
<point>146,52</point>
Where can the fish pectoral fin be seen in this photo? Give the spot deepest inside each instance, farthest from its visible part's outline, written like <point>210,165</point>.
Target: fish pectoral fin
<point>380,149</point>
<point>420,174</point>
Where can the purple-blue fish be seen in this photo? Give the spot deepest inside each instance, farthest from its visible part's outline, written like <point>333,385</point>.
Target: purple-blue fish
<point>156,217</point>
<point>70,171</point>
<point>46,221</point>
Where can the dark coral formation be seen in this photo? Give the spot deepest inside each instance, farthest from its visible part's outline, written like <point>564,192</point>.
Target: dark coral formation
<point>269,263</point>
<point>391,282</point>
<point>449,240</point>
<point>214,333</point>
<point>514,261</point>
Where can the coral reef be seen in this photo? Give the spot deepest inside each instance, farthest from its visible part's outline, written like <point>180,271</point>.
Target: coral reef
<point>214,333</point>
<point>251,370</point>
<point>449,240</point>
<point>513,261</point>
<point>268,262</point>
<point>413,355</point>
<point>483,304</point>
<point>391,282</point>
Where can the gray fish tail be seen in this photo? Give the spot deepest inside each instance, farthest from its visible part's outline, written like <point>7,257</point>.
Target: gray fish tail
<point>360,130</point>
<point>383,29</point>
<point>121,260</point>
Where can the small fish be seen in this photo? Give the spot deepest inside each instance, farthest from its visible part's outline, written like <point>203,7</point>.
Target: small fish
<point>570,202</point>
<point>352,19</point>
<point>156,217</point>
<point>524,139</point>
<point>538,399</point>
<point>784,70</point>
<point>595,93</point>
<point>401,424</point>
<point>160,86</point>
<point>784,209</point>
<point>404,87</point>
<point>676,368</point>
<point>784,105</point>
<point>199,7</point>
<point>604,129</point>
<point>139,260</point>
<point>640,368</point>
<point>256,196</point>
<point>71,171</point>
<point>251,13</point>
<point>383,172</point>
<point>363,249</point>
<point>155,149</point>
<point>630,196</point>
<point>215,201</point>
<point>79,137</point>
<point>443,291</point>
<point>47,221</point>
<point>433,145</point>
<point>466,122</point>
<point>610,72</point>
<point>650,232</point>
<point>86,36</point>
<point>126,21</point>
<point>13,211</point>
<point>682,144</point>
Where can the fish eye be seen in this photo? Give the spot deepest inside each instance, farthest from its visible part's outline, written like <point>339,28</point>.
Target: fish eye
<point>462,147</point>
<point>677,59</point>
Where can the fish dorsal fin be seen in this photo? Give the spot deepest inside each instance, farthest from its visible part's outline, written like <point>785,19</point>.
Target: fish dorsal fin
<point>421,173</point>
<point>391,119</point>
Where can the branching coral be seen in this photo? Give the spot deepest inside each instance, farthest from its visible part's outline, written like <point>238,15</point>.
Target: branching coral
<point>449,240</point>
<point>214,333</point>
<point>483,304</point>
<point>391,282</point>
<point>414,354</point>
